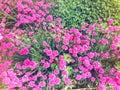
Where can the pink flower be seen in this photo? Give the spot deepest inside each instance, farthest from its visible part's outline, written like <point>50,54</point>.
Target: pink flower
<point>58,20</point>
<point>85,42</point>
<point>9,45</point>
<point>116,87</point>
<point>62,64</point>
<point>24,51</point>
<point>106,55</point>
<point>113,55</point>
<point>56,71</point>
<point>39,74</point>
<point>57,81</point>
<point>116,28</point>
<point>93,41</point>
<point>10,54</point>
<point>49,18</point>
<point>60,25</point>
<point>96,64</point>
<point>92,79</point>
<point>103,41</point>
<point>65,41</point>
<point>76,70</point>
<point>43,61</point>
<point>51,76</point>
<point>92,27</point>
<point>55,53</point>
<point>11,35</point>
<point>88,74</point>
<point>94,34</point>
<point>113,46</point>
<point>31,33</point>
<point>116,40</point>
<point>1,37</point>
<point>34,41</point>
<point>118,81</point>
<point>90,55</point>
<point>86,62</point>
<point>85,48</point>
<point>110,21</point>
<point>52,57</point>
<point>64,73</point>
<point>103,79</point>
<point>18,42</point>
<point>73,61</point>
<point>34,78</point>
<point>24,88</point>
<point>31,84</point>
<point>57,39</point>
<point>67,81</point>
<point>44,27</point>
<point>83,28</point>
<point>112,70</point>
<point>26,62</point>
<point>85,24</point>
<point>46,65</point>
<point>6,80</point>
<point>33,65</point>
<point>42,84</point>
<point>64,47</point>
<point>44,43</point>
<point>25,78</point>
<point>8,10</point>
<point>78,77</point>
<point>51,83</point>
<point>44,77</point>
<point>80,59</point>
<point>28,46</point>
<point>15,49</point>
<point>101,70</point>
<point>100,75</point>
<point>107,36</point>
<point>118,75</point>
<point>3,74</point>
<point>51,60</point>
<point>57,46</point>
<point>100,19</point>
<point>48,52</point>
<point>101,87</point>
<point>37,88</point>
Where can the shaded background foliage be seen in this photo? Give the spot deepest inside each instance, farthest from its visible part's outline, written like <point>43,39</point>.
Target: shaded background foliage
<point>75,12</point>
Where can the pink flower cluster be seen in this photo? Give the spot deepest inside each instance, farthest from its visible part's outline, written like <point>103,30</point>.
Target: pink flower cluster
<point>88,50</point>
<point>24,51</point>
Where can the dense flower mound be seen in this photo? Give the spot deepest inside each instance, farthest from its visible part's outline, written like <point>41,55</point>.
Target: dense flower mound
<point>51,57</point>
<point>25,14</point>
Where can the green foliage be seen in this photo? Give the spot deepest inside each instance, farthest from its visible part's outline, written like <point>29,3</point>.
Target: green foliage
<point>67,58</point>
<point>117,65</point>
<point>75,12</point>
<point>69,70</point>
<point>37,48</point>
<point>112,8</point>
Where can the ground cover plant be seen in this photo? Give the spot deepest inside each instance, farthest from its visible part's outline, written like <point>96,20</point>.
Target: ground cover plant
<point>38,53</point>
<point>75,12</point>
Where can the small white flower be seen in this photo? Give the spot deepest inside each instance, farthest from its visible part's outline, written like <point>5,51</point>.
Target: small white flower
<point>1,37</point>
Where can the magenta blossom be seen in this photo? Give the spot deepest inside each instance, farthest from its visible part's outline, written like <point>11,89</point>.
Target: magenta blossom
<point>24,51</point>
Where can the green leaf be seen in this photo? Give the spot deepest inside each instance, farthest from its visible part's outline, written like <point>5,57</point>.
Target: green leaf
<point>118,45</point>
<point>67,58</point>
<point>53,66</point>
<point>69,70</point>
